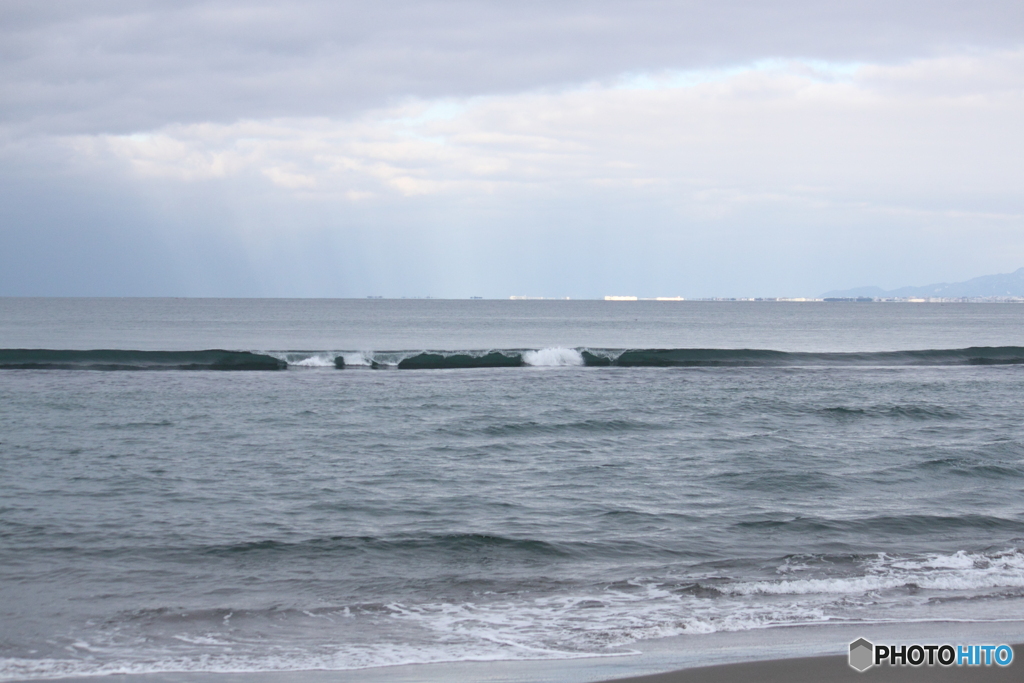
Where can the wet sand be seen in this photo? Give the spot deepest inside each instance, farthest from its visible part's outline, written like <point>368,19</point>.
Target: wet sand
<point>832,669</point>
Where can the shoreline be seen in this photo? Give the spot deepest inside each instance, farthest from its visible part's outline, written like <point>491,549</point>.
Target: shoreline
<point>794,654</point>
<point>832,668</point>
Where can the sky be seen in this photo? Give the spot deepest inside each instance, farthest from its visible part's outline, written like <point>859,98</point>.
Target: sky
<point>457,148</point>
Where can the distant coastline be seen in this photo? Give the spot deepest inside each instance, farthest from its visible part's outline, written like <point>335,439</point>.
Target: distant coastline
<point>1000,287</point>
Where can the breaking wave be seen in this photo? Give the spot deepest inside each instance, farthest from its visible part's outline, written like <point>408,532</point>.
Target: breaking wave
<point>553,357</point>
<point>595,619</point>
<point>597,357</point>
<point>113,359</point>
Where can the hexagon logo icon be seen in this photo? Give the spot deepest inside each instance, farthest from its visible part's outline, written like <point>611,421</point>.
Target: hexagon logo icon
<point>862,654</point>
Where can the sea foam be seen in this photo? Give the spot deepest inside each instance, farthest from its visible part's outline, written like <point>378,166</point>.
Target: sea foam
<point>556,356</point>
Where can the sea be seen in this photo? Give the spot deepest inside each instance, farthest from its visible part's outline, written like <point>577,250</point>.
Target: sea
<point>271,485</point>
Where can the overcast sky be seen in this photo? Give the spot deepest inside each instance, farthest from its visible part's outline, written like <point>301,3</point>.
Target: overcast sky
<point>459,148</point>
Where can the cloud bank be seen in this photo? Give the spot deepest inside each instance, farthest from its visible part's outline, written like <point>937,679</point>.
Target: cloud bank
<point>456,149</point>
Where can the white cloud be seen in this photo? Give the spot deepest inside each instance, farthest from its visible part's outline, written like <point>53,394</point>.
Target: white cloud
<point>926,135</point>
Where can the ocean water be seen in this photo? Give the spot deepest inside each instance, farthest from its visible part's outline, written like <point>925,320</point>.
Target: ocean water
<point>617,472</point>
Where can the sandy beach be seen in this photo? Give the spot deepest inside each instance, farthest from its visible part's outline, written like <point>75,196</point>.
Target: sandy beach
<point>833,669</point>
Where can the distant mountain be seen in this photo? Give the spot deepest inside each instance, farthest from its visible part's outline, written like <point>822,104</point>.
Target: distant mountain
<point>1008,284</point>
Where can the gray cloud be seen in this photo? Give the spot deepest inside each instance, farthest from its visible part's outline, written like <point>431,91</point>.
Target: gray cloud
<point>122,66</point>
<point>341,149</point>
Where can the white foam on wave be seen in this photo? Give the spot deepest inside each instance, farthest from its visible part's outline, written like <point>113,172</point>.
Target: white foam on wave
<point>553,357</point>
<point>303,359</point>
<point>319,360</point>
<point>960,571</point>
<point>343,659</point>
<point>357,358</point>
<point>602,620</point>
<point>325,359</point>
<point>340,658</point>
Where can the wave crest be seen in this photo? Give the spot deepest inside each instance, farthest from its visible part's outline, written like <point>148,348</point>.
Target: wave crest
<point>218,359</point>
<point>553,357</point>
